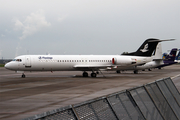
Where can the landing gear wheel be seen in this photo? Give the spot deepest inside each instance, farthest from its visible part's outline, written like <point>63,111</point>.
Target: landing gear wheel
<point>85,74</point>
<point>149,69</point>
<point>97,72</point>
<point>93,74</point>
<point>23,76</point>
<point>135,71</point>
<point>118,71</point>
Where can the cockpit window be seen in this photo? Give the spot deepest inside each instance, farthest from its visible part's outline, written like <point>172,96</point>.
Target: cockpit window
<point>18,60</point>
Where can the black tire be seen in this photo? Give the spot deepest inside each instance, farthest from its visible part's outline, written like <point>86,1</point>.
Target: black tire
<point>118,71</point>
<point>85,74</point>
<point>93,74</point>
<point>23,76</point>
<point>135,71</point>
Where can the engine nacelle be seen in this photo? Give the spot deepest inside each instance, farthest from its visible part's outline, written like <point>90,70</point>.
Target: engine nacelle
<point>123,61</point>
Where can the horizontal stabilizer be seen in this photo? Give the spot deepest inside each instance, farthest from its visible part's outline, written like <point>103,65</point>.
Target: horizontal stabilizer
<point>162,40</point>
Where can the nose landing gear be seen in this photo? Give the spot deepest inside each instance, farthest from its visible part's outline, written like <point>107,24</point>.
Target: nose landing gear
<point>135,71</point>
<point>23,75</point>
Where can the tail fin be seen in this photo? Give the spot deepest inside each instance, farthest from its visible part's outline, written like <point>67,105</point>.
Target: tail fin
<point>172,55</point>
<point>147,48</point>
<point>158,53</point>
<point>178,56</point>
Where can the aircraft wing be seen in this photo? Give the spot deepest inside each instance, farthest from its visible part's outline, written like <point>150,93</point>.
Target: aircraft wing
<point>97,67</point>
<point>90,67</point>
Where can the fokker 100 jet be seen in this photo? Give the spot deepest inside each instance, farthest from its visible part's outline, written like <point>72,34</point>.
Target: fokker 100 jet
<point>84,63</point>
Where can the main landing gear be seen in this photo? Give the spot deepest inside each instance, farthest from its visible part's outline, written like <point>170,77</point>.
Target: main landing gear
<point>23,75</point>
<point>93,74</point>
<point>85,74</point>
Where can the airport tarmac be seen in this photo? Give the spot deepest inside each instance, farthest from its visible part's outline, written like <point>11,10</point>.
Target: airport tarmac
<point>43,91</point>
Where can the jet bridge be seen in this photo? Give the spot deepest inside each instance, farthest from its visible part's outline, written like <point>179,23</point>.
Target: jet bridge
<point>159,100</point>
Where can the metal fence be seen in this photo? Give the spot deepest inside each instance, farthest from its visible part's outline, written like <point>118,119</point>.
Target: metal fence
<point>159,100</point>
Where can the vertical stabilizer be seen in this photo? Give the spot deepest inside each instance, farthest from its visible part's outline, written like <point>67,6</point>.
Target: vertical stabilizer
<point>171,56</point>
<point>178,56</point>
<point>158,52</point>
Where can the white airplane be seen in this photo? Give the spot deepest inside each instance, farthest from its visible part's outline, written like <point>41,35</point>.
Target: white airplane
<point>84,63</point>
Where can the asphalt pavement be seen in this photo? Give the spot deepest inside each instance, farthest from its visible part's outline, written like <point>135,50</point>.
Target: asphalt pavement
<point>43,91</point>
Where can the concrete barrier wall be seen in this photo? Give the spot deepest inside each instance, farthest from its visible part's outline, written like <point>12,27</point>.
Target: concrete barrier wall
<point>159,100</point>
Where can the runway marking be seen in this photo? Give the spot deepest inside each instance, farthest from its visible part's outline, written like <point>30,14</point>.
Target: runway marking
<point>175,76</point>
<point>9,74</point>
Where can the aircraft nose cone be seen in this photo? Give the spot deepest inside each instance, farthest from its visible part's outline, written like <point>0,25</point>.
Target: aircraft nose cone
<point>7,66</point>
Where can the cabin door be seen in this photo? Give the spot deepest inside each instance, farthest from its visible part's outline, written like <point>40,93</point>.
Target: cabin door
<point>28,62</point>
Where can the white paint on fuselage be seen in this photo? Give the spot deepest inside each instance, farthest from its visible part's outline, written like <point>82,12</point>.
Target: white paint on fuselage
<point>68,62</point>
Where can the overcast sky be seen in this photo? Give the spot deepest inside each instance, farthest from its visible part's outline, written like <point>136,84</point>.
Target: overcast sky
<point>85,26</point>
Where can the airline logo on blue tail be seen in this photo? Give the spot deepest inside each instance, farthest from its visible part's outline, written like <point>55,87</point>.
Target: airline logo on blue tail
<point>145,49</point>
<point>42,57</point>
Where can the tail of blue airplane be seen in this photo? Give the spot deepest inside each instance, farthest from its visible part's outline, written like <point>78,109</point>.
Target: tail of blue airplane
<point>171,56</point>
<point>170,59</point>
<point>178,56</point>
